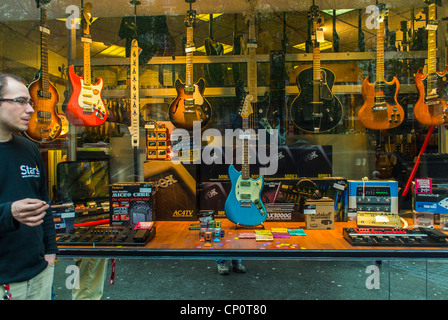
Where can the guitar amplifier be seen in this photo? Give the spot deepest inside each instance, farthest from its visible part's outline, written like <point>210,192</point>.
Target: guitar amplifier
<point>175,186</point>
<point>433,165</point>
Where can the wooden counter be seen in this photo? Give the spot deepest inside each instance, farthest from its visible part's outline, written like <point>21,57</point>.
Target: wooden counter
<point>173,239</point>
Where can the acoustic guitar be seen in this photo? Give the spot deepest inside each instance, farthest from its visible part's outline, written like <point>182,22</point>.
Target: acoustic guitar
<point>45,124</point>
<point>431,107</point>
<point>86,106</point>
<point>243,205</point>
<point>316,109</point>
<point>381,109</point>
<point>189,105</point>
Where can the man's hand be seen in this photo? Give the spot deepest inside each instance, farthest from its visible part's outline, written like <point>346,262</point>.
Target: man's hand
<point>30,212</point>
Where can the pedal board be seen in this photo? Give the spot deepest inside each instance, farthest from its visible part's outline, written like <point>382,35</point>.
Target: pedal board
<point>106,236</point>
<point>378,219</point>
<point>418,237</point>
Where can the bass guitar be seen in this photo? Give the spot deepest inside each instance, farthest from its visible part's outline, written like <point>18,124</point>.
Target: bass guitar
<point>86,106</point>
<point>381,109</point>
<point>316,109</point>
<point>243,205</point>
<point>45,124</point>
<point>189,105</point>
<point>431,107</point>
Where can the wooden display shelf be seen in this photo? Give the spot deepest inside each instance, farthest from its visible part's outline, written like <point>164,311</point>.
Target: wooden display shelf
<point>173,239</point>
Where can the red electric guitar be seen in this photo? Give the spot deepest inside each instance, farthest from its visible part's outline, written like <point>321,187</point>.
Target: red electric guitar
<point>85,107</point>
<point>45,124</point>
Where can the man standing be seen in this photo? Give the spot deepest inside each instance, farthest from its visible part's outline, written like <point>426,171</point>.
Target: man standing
<point>27,233</point>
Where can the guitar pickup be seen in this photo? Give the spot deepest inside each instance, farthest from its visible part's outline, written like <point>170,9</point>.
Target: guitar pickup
<point>245,196</point>
<point>245,184</point>
<point>245,203</point>
<point>44,94</point>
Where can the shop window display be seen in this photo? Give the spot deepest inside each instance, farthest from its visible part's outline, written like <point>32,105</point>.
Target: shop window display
<point>267,119</point>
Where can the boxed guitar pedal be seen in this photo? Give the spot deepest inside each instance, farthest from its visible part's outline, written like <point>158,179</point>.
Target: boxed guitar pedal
<point>319,214</point>
<point>131,203</point>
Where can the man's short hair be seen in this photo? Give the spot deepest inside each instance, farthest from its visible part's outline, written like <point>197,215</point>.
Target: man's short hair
<point>4,81</point>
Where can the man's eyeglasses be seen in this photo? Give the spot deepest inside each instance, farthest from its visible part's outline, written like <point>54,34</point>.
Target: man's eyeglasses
<point>22,101</point>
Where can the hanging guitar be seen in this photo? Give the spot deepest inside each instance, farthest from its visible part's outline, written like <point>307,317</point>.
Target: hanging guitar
<point>431,107</point>
<point>265,114</point>
<point>86,106</point>
<point>316,109</point>
<point>189,105</point>
<point>243,205</point>
<point>45,124</point>
<point>381,109</point>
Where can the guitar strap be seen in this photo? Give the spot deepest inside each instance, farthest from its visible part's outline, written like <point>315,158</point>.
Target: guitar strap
<point>135,109</point>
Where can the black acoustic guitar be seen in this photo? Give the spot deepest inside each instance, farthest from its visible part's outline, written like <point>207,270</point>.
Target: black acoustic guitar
<point>316,109</point>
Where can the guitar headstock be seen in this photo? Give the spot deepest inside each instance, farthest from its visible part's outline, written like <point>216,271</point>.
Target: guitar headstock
<point>383,12</point>
<point>436,2</point>
<point>87,18</point>
<point>190,18</point>
<point>41,3</point>
<point>247,109</point>
<point>315,16</point>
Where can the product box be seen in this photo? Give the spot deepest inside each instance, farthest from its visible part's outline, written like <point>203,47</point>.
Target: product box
<point>319,214</point>
<point>434,202</point>
<point>288,162</point>
<point>175,186</point>
<point>131,203</point>
<point>280,197</point>
<point>63,217</point>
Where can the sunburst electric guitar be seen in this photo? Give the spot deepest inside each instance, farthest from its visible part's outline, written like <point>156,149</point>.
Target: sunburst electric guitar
<point>45,124</point>
<point>431,107</point>
<point>86,106</point>
<point>316,109</point>
<point>190,105</point>
<point>243,205</point>
<point>381,109</point>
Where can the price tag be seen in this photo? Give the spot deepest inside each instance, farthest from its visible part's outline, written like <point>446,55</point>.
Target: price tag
<point>320,34</point>
<point>423,186</point>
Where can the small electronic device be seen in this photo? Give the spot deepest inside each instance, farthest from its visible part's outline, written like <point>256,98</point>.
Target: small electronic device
<point>378,219</point>
<point>373,195</point>
<point>418,237</point>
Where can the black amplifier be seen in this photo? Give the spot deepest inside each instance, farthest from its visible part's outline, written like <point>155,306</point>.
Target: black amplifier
<point>418,237</point>
<point>106,236</point>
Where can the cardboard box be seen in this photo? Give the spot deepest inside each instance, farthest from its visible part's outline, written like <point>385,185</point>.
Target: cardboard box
<point>319,214</point>
<point>175,186</point>
<point>131,203</point>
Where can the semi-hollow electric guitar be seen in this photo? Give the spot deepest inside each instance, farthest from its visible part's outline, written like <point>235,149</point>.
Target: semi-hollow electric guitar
<point>381,109</point>
<point>431,107</point>
<point>190,105</point>
<point>45,124</point>
<point>86,106</point>
<point>316,109</point>
<point>243,205</point>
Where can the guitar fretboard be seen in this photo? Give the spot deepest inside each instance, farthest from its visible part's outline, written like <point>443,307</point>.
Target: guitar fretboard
<point>432,47</point>
<point>44,49</point>
<point>245,171</point>
<point>189,57</point>
<point>380,52</point>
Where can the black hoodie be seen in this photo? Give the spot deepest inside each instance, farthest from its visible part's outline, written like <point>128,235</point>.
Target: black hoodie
<point>22,248</point>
